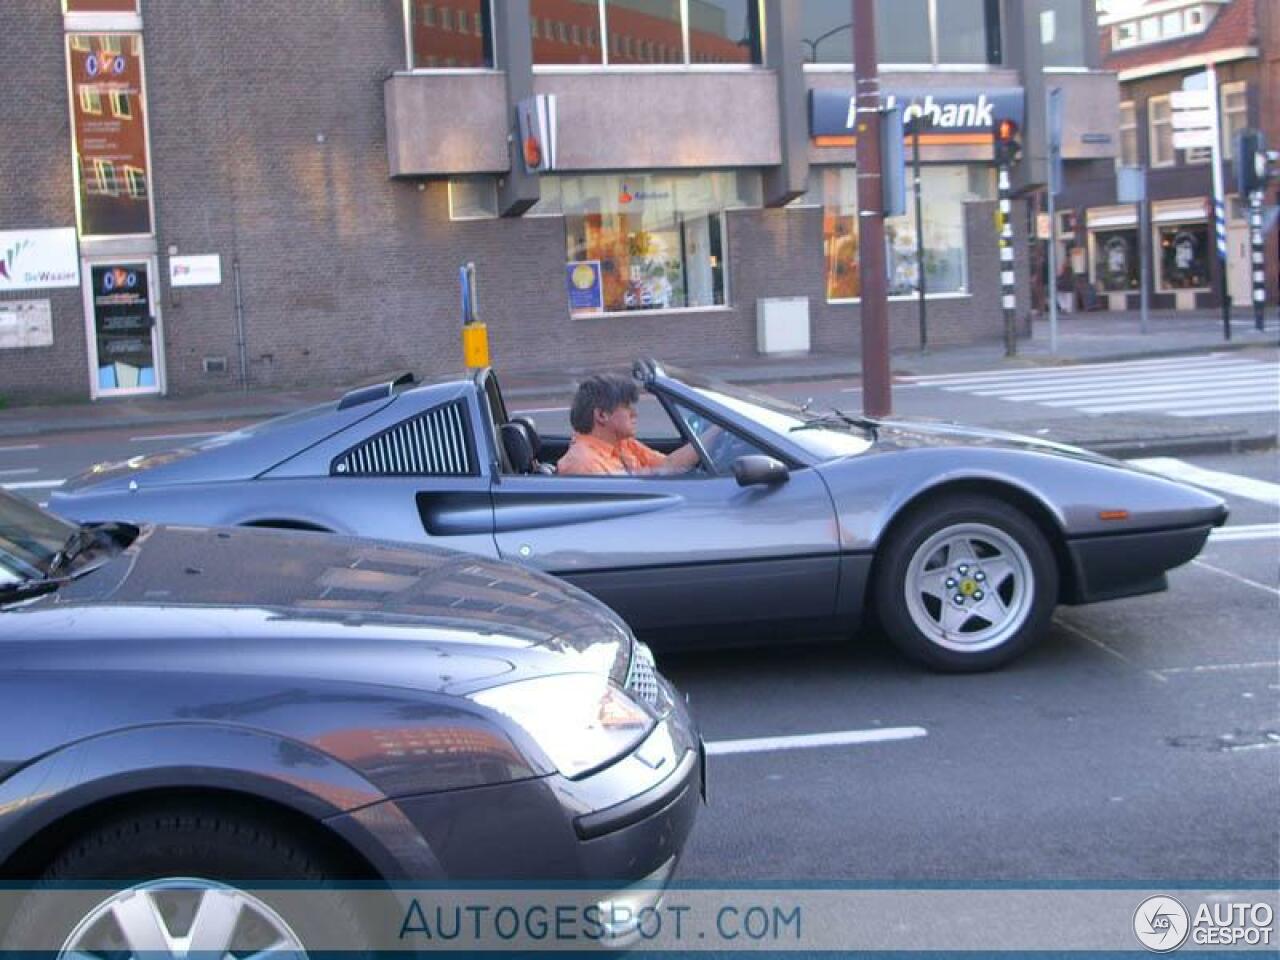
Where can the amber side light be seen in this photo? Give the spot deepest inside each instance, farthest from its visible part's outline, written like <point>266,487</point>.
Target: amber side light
<point>1113,515</point>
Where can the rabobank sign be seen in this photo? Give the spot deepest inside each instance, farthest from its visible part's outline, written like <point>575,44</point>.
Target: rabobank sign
<point>39,259</point>
<point>942,116</point>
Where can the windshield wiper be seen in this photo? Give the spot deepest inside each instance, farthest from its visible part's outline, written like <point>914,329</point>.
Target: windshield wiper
<point>25,589</point>
<point>837,418</point>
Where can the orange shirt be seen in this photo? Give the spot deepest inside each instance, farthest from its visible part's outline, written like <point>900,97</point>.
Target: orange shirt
<point>589,455</point>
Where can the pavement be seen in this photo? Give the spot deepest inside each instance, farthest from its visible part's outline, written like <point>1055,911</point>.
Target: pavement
<point>1082,338</point>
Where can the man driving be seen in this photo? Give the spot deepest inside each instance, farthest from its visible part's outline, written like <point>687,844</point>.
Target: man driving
<point>604,441</point>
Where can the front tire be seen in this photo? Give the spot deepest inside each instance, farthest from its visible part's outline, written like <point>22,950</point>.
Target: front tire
<point>966,584</point>
<point>143,884</point>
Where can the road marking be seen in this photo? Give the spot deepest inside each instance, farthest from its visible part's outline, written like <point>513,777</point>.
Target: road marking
<point>1076,370</point>
<point>1146,381</point>
<point>1254,531</point>
<point>809,741</point>
<point>20,447</point>
<point>34,484</point>
<point>21,470</point>
<point>540,410</point>
<point>1236,577</point>
<point>173,436</point>
<point>1247,487</point>
<point>1111,651</point>
<point>1225,667</point>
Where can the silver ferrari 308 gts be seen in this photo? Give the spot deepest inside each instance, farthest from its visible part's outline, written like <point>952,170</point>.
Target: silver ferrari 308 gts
<point>958,541</point>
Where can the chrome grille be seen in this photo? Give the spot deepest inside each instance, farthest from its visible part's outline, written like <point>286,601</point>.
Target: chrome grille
<point>434,443</point>
<point>642,676</point>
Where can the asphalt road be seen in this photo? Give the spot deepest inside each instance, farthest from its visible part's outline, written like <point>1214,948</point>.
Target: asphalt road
<point>1139,743</point>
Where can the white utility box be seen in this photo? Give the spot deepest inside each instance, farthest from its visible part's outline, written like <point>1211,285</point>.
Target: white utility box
<point>782,325</point>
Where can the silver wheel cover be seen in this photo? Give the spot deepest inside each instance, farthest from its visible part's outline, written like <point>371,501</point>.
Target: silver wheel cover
<point>969,587</point>
<point>182,917</point>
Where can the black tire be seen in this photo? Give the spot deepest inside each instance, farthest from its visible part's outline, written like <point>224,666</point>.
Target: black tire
<point>958,514</point>
<point>239,850</point>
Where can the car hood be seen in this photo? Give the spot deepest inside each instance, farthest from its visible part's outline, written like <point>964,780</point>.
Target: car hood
<point>268,601</point>
<point>903,433</point>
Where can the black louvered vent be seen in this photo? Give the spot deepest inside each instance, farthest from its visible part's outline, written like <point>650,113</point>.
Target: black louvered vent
<point>434,443</point>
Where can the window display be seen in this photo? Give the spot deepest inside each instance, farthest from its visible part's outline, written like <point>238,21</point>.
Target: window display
<point>1184,256</point>
<point>1115,259</point>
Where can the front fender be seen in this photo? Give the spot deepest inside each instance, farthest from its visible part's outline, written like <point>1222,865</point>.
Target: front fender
<point>194,756</point>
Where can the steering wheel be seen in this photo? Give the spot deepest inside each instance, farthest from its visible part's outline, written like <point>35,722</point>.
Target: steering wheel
<point>720,449</point>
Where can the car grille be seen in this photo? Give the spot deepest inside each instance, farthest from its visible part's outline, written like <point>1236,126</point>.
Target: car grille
<point>642,677</point>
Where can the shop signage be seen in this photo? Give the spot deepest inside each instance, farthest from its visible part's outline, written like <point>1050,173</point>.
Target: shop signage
<point>38,259</point>
<point>537,122</point>
<point>195,271</point>
<point>586,288</point>
<point>942,116</point>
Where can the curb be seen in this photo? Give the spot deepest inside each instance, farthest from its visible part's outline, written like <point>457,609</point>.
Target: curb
<point>1184,446</point>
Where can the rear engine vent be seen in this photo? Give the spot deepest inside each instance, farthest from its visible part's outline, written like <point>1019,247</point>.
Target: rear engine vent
<point>436,443</point>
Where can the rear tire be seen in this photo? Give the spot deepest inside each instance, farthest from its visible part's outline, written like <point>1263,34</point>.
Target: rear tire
<point>966,584</point>
<point>170,873</point>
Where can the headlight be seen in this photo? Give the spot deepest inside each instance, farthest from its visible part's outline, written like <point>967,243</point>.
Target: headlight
<point>581,721</point>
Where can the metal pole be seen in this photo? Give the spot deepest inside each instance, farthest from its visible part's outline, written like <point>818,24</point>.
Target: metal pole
<point>1053,271</point>
<point>876,397</point>
<point>1144,254</point>
<point>240,338</point>
<point>920,280</point>
<point>1007,279</point>
<point>1219,208</point>
<point>1258,261</point>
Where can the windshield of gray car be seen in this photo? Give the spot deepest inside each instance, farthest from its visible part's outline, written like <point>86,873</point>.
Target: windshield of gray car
<point>29,539</point>
<point>817,433</point>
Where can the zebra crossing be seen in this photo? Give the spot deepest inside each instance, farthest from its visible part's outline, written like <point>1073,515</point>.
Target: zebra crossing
<point>1203,386</point>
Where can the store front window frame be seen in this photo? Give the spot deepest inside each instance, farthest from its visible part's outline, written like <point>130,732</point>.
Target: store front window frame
<point>1107,220</point>
<point>490,47</point>
<point>687,66</point>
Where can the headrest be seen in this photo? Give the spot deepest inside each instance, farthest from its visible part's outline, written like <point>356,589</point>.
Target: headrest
<point>531,428</point>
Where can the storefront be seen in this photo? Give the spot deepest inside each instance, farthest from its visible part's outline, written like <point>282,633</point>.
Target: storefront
<point>1115,268</point>
<point>1183,246</point>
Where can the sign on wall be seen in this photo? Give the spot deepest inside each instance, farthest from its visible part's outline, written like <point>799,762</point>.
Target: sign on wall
<point>586,287</point>
<point>38,259</point>
<point>537,122</point>
<point>25,323</point>
<point>195,271</point>
<point>943,116</point>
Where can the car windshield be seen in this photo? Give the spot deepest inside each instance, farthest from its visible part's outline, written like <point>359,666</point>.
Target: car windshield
<point>29,539</point>
<point>822,435</point>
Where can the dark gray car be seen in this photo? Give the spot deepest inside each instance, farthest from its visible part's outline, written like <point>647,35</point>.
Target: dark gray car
<point>251,705</point>
<point>962,541</point>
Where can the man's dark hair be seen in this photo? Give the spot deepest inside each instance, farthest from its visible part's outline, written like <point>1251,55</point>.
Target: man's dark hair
<point>605,391</point>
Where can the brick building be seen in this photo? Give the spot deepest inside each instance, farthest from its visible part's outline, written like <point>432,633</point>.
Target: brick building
<point>219,193</point>
<point>1154,46</point>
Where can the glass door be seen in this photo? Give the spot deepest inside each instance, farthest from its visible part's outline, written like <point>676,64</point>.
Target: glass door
<point>125,348</point>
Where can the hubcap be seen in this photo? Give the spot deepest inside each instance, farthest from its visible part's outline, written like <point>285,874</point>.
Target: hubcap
<point>969,587</point>
<point>182,917</point>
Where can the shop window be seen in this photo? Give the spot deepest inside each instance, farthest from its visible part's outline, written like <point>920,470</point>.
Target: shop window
<point>1128,134</point>
<point>945,191</point>
<point>460,35</point>
<point>1160,130</point>
<point>1115,259</point>
<point>1184,251</point>
<point>1063,33</point>
<point>1235,115</point>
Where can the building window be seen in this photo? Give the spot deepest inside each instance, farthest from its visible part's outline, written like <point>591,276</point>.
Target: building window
<point>1184,252</point>
<point>1124,35</point>
<point>1235,115</point>
<point>935,32</point>
<point>120,105</point>
<point>436,42</point>
<point>945,191</point>
<point>724,31</point>
<point>903,31</point>
<point>135,182</point>
<point>1128,134</point>
<point>90,100</point>
<point>1062,32</point>
<point>1160,130</point>
<point>961,30</point>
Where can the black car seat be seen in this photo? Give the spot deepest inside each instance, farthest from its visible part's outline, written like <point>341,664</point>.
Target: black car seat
<point>518,447</point>
<point>535,441</point>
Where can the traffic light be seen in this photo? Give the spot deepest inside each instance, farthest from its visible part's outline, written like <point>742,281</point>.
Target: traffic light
<point>1008,143</point>
<point>1251,161</point>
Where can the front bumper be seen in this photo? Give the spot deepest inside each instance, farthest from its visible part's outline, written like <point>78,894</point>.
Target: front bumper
<point>1131,564</point>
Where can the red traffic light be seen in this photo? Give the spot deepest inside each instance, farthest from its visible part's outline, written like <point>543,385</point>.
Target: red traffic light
<point>1006,131</point>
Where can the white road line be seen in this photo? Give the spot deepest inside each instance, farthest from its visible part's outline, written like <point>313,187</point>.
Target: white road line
<point>1111,651</point>
<point>1246,487</point>
<point>541,410</point>
<point>1253,531</point>
<point>1236,577</point>
<point>1214,361</point>
<point>20,447</point>
<point>809,741</point>
<point>1224,667</point>
<point>1044,381</point>
<point>21,470</point>
<point>1225,411</point>
<point>1257,382</point>
<point>34,484</point>
<point>172,436</point>
<point>1185,406</point>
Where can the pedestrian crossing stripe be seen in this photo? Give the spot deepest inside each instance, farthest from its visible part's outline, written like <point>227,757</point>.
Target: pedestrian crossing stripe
<point>1212,385</point>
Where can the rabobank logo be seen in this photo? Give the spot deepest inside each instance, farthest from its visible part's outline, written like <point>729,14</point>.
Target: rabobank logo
<point>1161,924</point>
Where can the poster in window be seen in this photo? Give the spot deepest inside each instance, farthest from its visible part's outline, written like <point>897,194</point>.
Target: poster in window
<point>110,133</point>
<point>586,286</point>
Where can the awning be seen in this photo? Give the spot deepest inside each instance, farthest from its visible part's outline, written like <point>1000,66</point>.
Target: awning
<point>1101,218</point>
<point>1180,211</point>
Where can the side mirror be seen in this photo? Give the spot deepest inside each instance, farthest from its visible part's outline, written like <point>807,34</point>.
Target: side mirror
<point>757,471</point>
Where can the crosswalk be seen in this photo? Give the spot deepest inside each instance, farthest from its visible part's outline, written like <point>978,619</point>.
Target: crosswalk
<point>1203,386</point>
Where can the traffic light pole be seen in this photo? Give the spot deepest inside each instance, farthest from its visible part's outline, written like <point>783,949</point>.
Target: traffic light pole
<point>876,397</point>
<point>1257,260</point>
<point>1219,203</point>
<point>1008,288</point>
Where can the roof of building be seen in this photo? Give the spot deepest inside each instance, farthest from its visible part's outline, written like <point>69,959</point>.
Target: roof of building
<point>1234,26</point>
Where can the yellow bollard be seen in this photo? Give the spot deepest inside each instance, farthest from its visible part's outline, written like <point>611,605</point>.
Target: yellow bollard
<point>475,345</point>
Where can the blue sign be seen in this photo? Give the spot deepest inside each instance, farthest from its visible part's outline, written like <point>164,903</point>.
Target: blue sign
<point>586,287</point>
<point>940,114</point>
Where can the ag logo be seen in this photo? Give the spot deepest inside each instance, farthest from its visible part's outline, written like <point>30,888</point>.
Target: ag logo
<point>1161,924</point>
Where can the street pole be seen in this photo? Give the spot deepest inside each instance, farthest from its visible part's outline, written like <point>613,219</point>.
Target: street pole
<point>920,284</point>
<point>1008,289</point>
<point>1219,202</point>
<point>1053,125</point>
<point>1144,253</point>
<point>876,397</point>
<point>1257,247</point>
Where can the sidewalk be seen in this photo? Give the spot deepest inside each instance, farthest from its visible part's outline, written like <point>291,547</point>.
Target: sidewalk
<point>1082,338</point>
